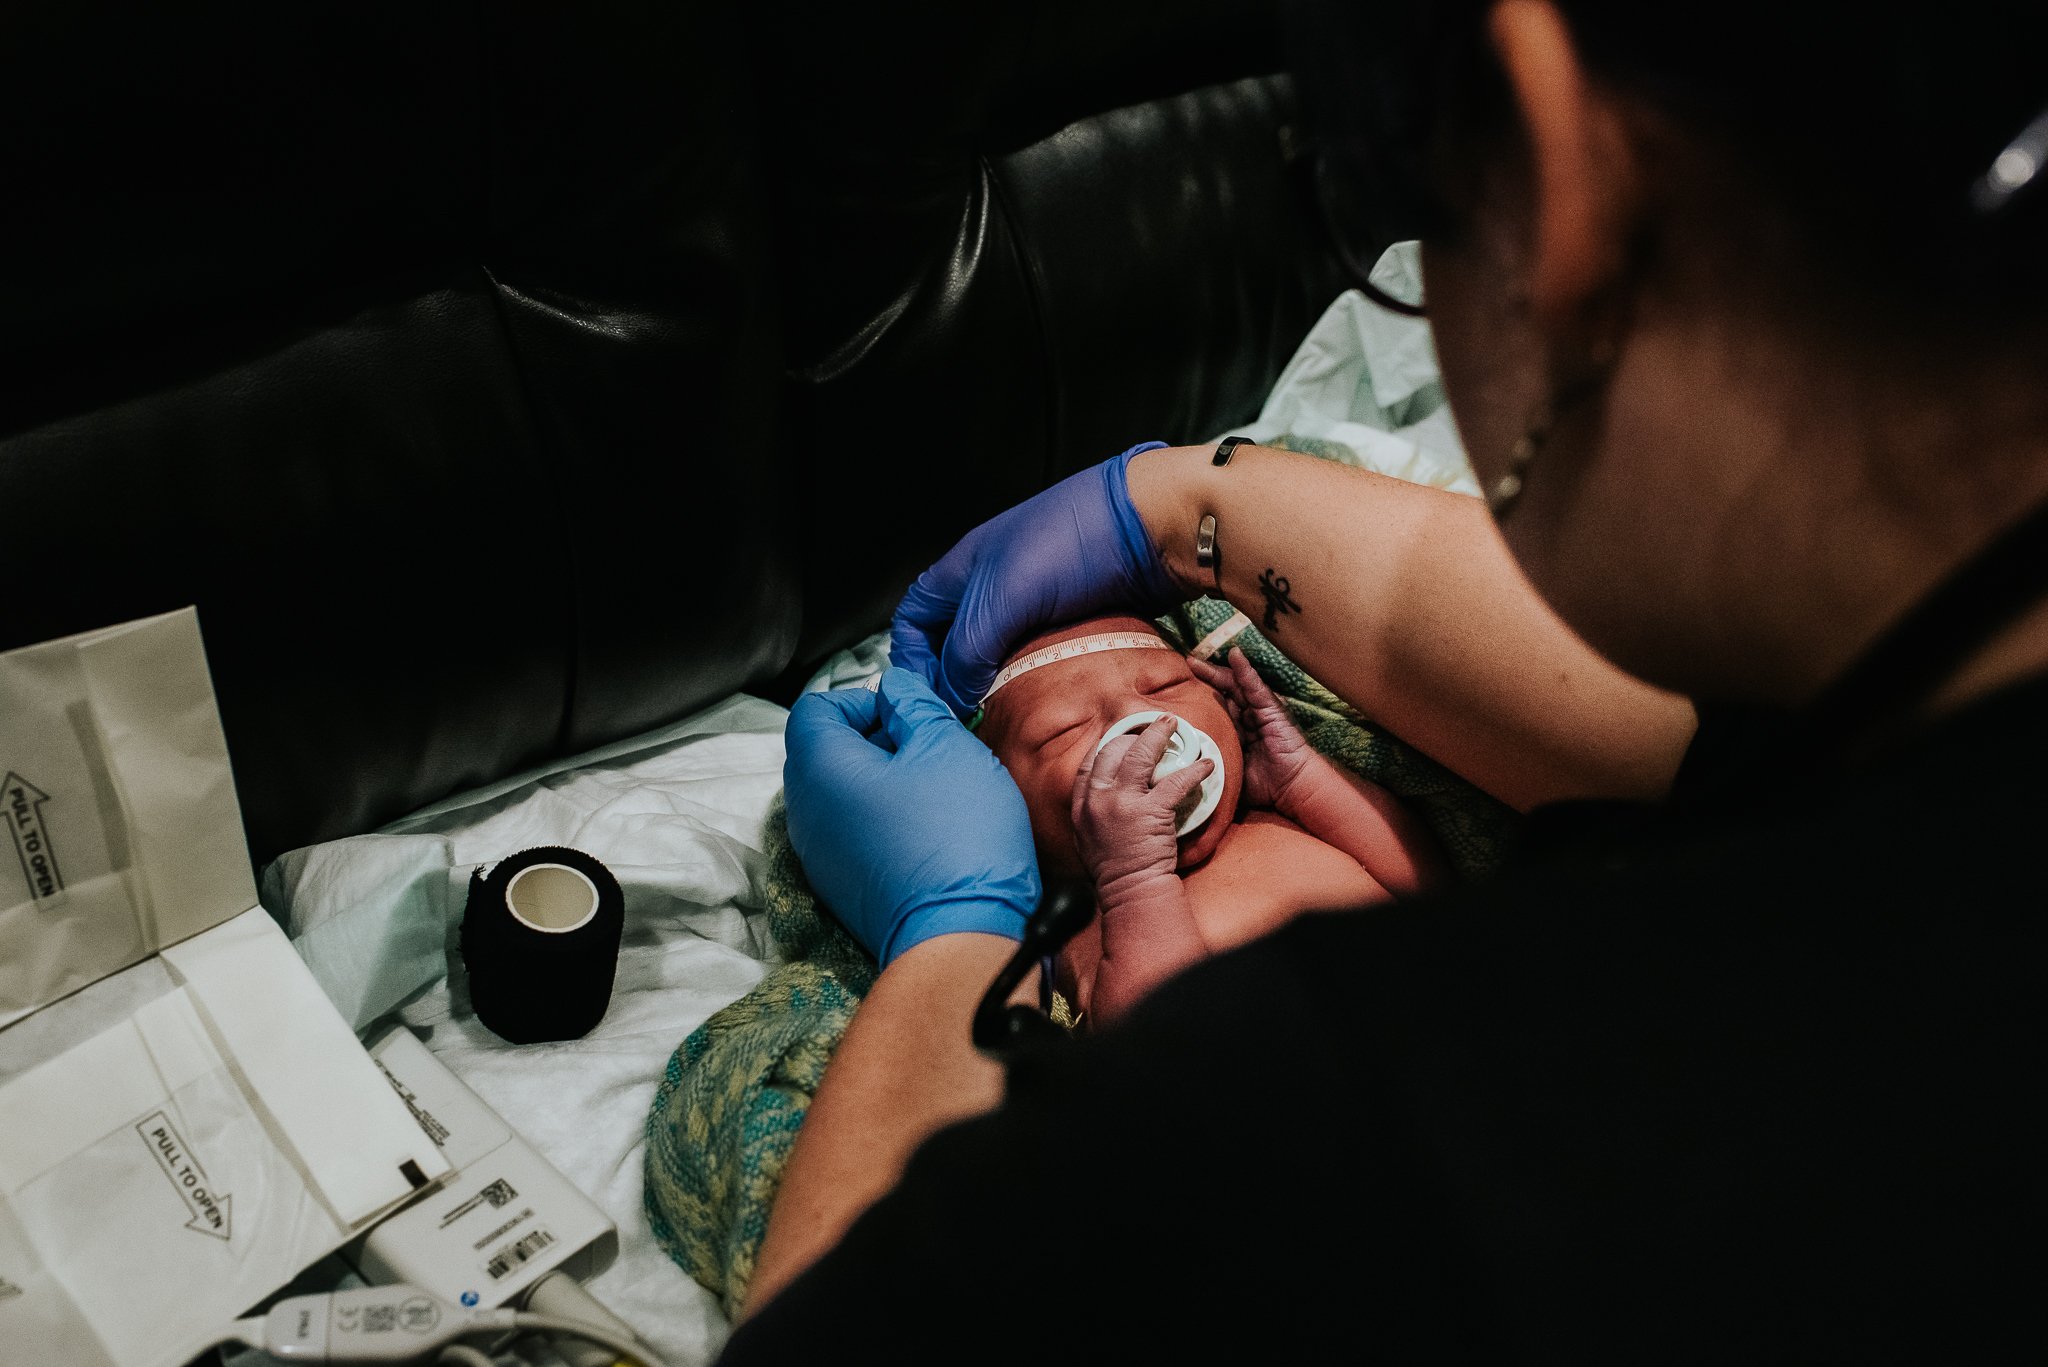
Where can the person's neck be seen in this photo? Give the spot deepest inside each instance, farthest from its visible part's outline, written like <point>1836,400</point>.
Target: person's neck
<point>1841,555</point>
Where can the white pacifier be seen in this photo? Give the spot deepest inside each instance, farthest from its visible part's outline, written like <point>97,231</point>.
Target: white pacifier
<point>1187,744</point>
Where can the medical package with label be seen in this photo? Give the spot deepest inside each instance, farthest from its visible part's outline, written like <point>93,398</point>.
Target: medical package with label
<point>181,1138</point>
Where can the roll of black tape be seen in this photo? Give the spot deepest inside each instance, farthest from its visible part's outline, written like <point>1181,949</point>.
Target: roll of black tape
<point>540,938</point>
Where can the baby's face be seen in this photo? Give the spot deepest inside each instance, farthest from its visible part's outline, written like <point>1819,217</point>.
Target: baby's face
<point>1044,723</point>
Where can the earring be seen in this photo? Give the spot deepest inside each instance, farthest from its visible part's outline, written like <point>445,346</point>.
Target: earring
<point>1600,361</point>
<point>1507,490</point>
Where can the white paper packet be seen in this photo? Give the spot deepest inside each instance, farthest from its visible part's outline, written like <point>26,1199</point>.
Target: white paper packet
<point>121,828</point>
<point>178,1140</point>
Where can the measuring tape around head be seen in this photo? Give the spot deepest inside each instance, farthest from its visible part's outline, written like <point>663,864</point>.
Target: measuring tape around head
<point>1069,650</point>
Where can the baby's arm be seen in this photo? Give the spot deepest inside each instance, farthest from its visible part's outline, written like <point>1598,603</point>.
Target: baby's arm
<point>1284,774</point>
<point>1365,821</point>
<point>1148,935</point>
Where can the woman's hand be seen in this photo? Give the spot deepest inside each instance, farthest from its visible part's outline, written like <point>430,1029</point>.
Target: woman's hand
<point>1075,550</point>
<point>906,825</point>
<point>1124,821</point>
<point>1277,757</point>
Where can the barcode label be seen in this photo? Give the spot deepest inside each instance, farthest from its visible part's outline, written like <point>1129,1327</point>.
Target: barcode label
<point>513,1255</point>
<point>496,1196</point>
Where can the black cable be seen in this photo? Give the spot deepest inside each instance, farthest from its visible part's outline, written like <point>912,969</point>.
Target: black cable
<point>1003,1028</point>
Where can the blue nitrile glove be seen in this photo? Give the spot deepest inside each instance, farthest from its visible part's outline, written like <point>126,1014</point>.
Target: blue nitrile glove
<point>907,826</point>
<point>1076,550</point>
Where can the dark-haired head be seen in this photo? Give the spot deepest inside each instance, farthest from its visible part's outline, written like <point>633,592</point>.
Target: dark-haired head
<point>1868,130</point>
<point>1723,285</point>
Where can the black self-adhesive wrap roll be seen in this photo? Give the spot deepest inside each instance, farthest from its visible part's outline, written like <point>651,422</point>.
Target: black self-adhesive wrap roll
<point>540,938</point>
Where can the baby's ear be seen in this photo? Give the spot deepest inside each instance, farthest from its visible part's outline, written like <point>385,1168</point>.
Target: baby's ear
<point>992,726</point>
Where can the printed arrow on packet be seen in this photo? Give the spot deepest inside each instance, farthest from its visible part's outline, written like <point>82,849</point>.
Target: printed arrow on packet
<point>21,805</point>
<point>201,1223</point>
<point>211,1211</point>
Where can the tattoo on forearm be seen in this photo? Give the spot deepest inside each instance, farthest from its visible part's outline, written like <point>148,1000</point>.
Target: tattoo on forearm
<point>1279,598</point>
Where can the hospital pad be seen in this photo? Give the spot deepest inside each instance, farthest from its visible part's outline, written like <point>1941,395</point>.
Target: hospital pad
<point>677,816</point>
<point>671,813</point>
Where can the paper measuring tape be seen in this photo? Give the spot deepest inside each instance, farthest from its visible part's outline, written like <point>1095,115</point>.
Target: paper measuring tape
<point>1218,640</point>
<point>540,938</point>
<point>1069,650</point>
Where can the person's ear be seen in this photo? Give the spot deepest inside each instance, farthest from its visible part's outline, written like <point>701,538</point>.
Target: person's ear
<point>1585,183</point>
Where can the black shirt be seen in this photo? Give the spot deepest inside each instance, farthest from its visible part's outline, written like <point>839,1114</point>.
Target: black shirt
<point>1753,1074</point>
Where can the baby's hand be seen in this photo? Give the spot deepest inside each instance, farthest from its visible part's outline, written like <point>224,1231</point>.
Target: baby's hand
<point>1123,821</point>
<point>1276,755</point>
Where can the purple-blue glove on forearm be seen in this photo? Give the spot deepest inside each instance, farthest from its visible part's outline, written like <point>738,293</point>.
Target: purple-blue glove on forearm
<point>906,825</point>
<point>1073,551</point>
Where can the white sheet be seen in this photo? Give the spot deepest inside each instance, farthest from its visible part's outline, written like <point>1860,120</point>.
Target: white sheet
<point>677,816</point>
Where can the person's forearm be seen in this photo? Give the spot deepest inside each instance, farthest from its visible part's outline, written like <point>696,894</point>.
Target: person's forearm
<point>1366,822</point>
<point>906,1068</point>
<point>1147,936</point>
<point>1405,602</point>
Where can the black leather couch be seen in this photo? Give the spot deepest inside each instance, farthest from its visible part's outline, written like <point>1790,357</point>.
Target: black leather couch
<point>499,380</point>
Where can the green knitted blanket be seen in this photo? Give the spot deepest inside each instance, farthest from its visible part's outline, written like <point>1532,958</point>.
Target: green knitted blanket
<point>734,1094</point>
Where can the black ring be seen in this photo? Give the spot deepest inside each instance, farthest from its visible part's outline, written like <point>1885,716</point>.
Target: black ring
<point>1227,448</point>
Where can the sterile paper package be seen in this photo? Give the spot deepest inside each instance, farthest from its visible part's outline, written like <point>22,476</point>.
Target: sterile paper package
<point>165,1175</point>
<point>181,1139</point>
<point>122,831</point>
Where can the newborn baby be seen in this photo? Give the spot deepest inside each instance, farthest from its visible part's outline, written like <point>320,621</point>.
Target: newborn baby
<point>1285,830</point>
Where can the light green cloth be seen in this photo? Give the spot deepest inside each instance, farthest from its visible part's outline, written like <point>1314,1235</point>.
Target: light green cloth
<point>726,1114</point>
<point>734,1094</point>
<point>730,1101</point>
<point>1363,389</point>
